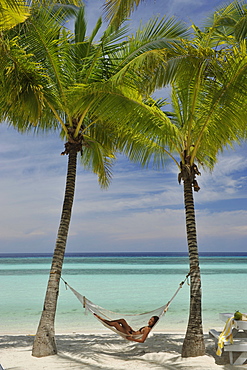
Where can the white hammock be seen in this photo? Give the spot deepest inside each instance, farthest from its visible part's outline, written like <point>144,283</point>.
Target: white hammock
<point>133,320</point>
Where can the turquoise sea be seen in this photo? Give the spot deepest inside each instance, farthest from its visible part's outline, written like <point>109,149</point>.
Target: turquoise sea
<point>122,282</point>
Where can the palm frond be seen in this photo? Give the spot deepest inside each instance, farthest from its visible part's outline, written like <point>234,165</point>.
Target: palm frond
<point>124,107</point>
<point>209,104</point>
<point>50,46</point>
<point>12,13</point>
<point>97,157</point>
<point>22,85</point>
<point>118,10</point>
<point>228,23</point>
<point>80,26</point>
<point>145,54</point>
<point>50,3</point>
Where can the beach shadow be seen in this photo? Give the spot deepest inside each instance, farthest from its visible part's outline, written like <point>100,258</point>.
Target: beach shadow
<point>97,352</point>
<point>160,351</point>
<point>111,352</point>
<point>14,341</point>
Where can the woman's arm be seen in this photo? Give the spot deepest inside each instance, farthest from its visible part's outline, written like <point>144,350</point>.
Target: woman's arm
<point>142,339</point>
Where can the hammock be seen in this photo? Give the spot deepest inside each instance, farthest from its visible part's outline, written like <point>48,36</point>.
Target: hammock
<point>132,319</point>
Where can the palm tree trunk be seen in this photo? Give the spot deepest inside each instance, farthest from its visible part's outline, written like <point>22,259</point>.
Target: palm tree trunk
<point>44,342</point>
<point>193,344</point>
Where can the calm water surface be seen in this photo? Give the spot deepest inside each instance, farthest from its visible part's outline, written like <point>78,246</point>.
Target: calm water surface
<point>123,283</point>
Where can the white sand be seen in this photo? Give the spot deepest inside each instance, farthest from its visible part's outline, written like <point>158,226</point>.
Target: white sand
<point>108,352</point>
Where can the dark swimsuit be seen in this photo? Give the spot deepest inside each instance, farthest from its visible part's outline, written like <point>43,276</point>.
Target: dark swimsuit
<point>131,331</point>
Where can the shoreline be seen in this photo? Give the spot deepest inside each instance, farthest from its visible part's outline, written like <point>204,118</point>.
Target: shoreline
<point>93,329</point>
<point>217,324</point>
<point>91,351</point>
<point>102,331</point>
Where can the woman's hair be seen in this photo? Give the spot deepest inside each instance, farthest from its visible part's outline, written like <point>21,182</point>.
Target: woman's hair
<point>156,318</point>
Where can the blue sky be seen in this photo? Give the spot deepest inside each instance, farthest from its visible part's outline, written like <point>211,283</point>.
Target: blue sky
<point>142,210</point>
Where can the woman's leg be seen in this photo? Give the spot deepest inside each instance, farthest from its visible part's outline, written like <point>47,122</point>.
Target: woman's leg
<point>120,324</point>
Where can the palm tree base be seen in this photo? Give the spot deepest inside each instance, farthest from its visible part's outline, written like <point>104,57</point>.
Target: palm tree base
<point>193,346</point>
<point>44,344</point>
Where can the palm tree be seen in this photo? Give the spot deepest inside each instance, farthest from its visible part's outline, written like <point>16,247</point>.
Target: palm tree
<point>55,80</point>
<point>208,80</point>
<point>208,102</point>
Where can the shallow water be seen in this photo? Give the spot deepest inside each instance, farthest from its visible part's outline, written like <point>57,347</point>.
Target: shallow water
<point>121,283</point>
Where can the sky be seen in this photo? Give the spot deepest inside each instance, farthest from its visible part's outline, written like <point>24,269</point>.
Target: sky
<point>142,210</point>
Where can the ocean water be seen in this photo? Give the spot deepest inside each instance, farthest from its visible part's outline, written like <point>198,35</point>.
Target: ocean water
<point>125,283</point>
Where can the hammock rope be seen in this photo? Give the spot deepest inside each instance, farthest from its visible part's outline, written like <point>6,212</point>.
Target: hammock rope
<point>110,315</point>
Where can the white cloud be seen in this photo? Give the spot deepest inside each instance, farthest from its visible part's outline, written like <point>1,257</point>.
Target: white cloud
<point>216,231</point>
<point>156,224</point>
<point>227,181</point>
<point>222,224</point>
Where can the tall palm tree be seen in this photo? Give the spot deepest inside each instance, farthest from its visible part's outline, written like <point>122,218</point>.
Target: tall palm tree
<point>215,119</point>
<point>208,79</point>
<point>55,80</point>
<point>208,101</point>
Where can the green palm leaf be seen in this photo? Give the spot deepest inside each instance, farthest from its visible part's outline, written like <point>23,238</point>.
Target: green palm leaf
<point>118,10</point>
<point>12,13</point>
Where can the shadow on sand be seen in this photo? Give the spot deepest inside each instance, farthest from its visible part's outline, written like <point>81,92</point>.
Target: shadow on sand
<point>110,352</point>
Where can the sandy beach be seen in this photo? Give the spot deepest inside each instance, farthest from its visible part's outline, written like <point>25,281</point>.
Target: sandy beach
<point>109,352</point>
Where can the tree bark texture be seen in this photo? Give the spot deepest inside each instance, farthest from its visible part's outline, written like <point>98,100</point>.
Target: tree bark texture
<point>193,344</point>
<point>44,342</point>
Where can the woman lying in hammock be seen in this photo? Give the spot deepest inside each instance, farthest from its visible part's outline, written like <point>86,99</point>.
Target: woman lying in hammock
<point>122,326</point>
